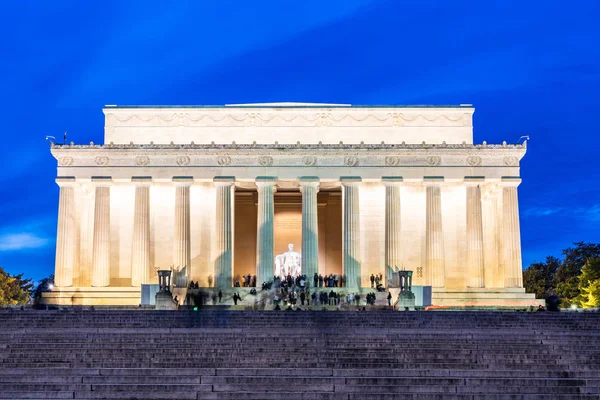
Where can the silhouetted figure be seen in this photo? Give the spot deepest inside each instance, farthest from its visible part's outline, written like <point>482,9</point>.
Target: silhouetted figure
<point>220,296</point>
<point>372,280</point>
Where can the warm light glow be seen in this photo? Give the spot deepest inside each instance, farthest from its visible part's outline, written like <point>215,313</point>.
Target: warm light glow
<point>50,287</point>
<point>573,307</point>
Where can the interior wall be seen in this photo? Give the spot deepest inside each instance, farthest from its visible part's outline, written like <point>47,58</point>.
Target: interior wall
<point>121,233</point>
<point>288,222</point>
<point>412,231</point>
<point>372,230</point>
<point>162,225</point>
<point>454,225</point>
<point>245,227</point>
<point>329,217</point>
<point>202,228</point>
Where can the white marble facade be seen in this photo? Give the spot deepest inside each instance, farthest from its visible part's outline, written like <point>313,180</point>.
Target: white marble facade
<point>416,194</point>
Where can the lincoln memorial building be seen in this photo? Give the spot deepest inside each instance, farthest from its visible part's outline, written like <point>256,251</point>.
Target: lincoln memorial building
<point>217,192</point>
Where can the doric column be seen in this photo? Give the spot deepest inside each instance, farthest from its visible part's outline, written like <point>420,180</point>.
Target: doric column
<point>181,241</point>
<point>101,252</point>
<point>351,231</point>
<point>224,230</point>
<point>264,245</point>
<point>309,186</point>
<point>434,235</point>
<point>475,272</point>
<point>392,223</point>
<point>66,236</point>
<point>140,243</point>
<point>513,273</point>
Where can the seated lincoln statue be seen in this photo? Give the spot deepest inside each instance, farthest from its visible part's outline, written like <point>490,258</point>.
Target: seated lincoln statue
<point>288,263</point>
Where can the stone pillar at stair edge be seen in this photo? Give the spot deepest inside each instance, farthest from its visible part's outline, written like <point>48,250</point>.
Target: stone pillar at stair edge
<point>475,264</point>
<point>224,227</point>
<point>513,273</point>
<point>392,224</point>
<point>140,250</point>
<point>66,235</point>
<point>434,235</point>
<point>101,243</point>
<point>351,231</point>
<point>181,242</point>
<point>309,187</point>
<point>264,245</point>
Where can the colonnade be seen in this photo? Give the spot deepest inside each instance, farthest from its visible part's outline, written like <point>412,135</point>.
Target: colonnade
<point>266,186</point>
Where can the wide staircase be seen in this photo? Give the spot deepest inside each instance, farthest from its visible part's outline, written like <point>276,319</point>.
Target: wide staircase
<point>95,354</point>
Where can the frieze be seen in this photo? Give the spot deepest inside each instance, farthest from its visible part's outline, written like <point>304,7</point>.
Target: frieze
<point>285,119</point>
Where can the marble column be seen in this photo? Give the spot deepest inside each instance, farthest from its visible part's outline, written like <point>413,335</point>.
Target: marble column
<point>351,231</point>
<point>475,265</point>
<point>101,243</point>
<point>309,187</point>
<point>392,224</point>
<point>66,236</point>
<point>264,244</point>
<point>140,244</point>
<point>224,231</point>
<point>434,235</point>
<point>513,273</point>
<point>181,242</point>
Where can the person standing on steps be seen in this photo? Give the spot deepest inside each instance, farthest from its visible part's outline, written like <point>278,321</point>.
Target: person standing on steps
<point>389,298</point>
<point>220,296</point>
<point>372,280</point>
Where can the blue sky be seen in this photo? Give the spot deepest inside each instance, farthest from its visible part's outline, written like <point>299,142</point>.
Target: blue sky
<point>529,68</point>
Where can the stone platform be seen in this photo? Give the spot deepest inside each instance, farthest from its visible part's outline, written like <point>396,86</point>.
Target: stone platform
<point>299,355</point>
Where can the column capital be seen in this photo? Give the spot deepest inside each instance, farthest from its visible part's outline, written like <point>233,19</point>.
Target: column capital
<point>433,180</point>
<point>183,180</point>
<point>311,181</point>
<point>101,181</point>
<point>350,180</point>
<point>392,180</point>
<point>474,180</point>
<point>265,181</point>
<point>224,180</point>
<point>141,180</point>
<point>66,181</point>
<point>510,181</point>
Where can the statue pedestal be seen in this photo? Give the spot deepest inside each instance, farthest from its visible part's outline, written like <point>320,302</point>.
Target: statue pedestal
<point>406,301</point>
<point>164,301</point>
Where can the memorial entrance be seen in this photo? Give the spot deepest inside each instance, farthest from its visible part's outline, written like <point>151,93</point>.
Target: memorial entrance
<point>287,228</point>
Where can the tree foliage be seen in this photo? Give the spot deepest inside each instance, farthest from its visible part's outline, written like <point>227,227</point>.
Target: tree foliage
<point>575,278</point>
<point>45,285</point>
<point>14,290</point>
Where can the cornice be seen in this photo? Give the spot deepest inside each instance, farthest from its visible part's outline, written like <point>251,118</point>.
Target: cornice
<point>320,155</point>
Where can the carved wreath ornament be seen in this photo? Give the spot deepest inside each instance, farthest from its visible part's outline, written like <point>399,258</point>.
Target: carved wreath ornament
<point>511,161</point>
<point>474,161</point>
<point>142,161</point>
<point>392,161</point>
<point>350,161</point>
<point>265,161</point>
<point>309,160</point>
<point>223,160</point>
<point>101,160</point>
<point>434,160</point>
<point>65,161</point>
<point>183,161</point>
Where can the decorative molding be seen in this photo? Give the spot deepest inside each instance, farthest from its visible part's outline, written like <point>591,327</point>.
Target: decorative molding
<point>510,161</point>
<point>434,161</point>
<point>350,161</point>
<point>65,161</point>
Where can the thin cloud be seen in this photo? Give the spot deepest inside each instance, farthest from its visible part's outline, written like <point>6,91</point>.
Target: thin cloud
<point>22,241</point>
<point>542,211</point>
